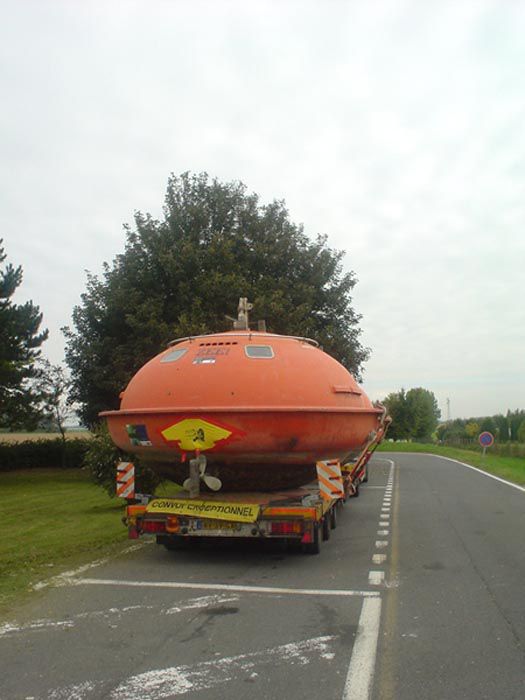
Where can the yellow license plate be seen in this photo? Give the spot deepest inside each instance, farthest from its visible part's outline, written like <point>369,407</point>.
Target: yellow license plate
<point>219,525</point>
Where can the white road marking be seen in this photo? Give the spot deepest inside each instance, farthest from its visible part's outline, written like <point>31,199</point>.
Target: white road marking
<point>63,578</point>
<point>381,544</point>
<point>383,532</point>
<point>80,691</point>
<point>47,624</point>
<point>378,558</point>
<point>179,680</point>
<point>203,602</point>
<point>358,685</point>
<point>376,578</point>
<point>479,471</point>
<point>223,587</point>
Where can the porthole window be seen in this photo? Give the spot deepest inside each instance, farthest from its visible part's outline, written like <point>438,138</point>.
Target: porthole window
<point>174,355</point>
<point>263,352</point>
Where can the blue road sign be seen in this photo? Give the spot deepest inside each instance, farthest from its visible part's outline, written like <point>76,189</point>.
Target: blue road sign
<point>486,439</point>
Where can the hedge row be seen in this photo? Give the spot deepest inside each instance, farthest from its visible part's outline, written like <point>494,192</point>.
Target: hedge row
<point>502,449</point>
<point>38,454</point>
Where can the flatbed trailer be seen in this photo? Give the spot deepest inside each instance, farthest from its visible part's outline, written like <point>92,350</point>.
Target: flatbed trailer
<point>304,515</point>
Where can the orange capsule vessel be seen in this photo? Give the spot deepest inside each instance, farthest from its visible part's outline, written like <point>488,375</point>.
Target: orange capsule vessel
<point>262,408</point>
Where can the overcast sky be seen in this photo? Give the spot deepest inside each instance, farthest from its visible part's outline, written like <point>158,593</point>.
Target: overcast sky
<point>396,128</point>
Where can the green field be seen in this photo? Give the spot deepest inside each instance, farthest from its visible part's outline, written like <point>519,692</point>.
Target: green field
<point>510,468</point>
<point>33,436</point>
<point>52,520</point>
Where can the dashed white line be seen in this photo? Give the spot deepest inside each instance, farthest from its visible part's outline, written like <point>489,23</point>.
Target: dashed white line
<point>376,578</point>
<point>383,532</point>
<point>378,558</point>
<point>381,544</point>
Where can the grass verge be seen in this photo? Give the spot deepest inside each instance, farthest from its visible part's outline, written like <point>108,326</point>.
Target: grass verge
<point>510,468</point>
<point>33,436</point>
<point>52,520</point>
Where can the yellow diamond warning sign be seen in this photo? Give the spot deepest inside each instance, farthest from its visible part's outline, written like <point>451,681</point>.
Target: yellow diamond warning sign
<point>196,434</point>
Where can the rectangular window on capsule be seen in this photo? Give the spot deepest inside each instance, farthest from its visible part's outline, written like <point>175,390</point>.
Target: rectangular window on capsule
<point>260,352</point>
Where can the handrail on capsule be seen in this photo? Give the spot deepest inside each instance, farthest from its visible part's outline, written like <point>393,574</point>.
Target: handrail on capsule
<point>248,334</point>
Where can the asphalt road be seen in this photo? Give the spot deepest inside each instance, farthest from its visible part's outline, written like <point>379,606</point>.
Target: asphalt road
<point>420,593</point>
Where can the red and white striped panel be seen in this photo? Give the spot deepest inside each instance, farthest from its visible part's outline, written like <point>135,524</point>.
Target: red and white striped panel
<point>330,479</point>
<point>125,480</point>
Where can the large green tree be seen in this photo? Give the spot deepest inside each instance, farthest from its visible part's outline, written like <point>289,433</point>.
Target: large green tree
<point>414,414</point>
<point>20,340</point>
<point>182,274</point>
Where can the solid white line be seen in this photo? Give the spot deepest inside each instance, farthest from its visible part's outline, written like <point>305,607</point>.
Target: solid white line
<point>376,578</point>
<point>64,578</point>
<point>358,685</point>
<point>480,471</point>
<point>221,587</point>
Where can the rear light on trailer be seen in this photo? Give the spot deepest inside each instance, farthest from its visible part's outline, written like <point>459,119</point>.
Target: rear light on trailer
<point>153,526</point>
<point>172,524</point>
<point>287,527</point>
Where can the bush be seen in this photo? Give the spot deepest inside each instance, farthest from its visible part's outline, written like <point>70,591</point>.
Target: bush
<point>42,454</point>
<point>101,460</point>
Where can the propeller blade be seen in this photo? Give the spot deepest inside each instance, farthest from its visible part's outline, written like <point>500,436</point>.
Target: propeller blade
<point>212,482</point>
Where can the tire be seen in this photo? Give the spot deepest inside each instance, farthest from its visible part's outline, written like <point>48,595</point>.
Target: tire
<point>325,524</point>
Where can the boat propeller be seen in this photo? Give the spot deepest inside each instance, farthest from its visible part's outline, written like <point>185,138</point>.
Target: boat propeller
<point>198,474</point>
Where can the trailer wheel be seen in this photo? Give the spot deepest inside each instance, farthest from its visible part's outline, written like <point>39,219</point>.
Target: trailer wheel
<point>326,527</point>
<point>333,517</point>
<point>314,547</point>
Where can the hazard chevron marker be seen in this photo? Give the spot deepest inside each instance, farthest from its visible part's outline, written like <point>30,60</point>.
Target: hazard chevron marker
<point>125,480</point>
<point>330,479</point>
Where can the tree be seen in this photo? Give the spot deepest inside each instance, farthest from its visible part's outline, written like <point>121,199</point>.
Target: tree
<point>515,419</point>
<point>52,384</point>
<point>396,405</point>
<point>502,427</point>
<point>423,411</point>
<point>181,275</point>
<point>20,341</point>
<point>521,432</point>
<point>414,414</point>
<point>472,429</point>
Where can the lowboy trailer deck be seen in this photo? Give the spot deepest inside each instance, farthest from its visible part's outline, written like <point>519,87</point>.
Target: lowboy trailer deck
<point>304,515</point>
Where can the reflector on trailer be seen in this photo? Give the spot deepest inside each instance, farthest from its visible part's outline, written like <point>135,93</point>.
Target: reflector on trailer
<point>287,527</point>
<point>153,526</point>
<point>125,480</point>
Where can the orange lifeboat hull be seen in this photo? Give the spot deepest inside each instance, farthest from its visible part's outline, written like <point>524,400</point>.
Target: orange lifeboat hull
<point>262,408</point>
